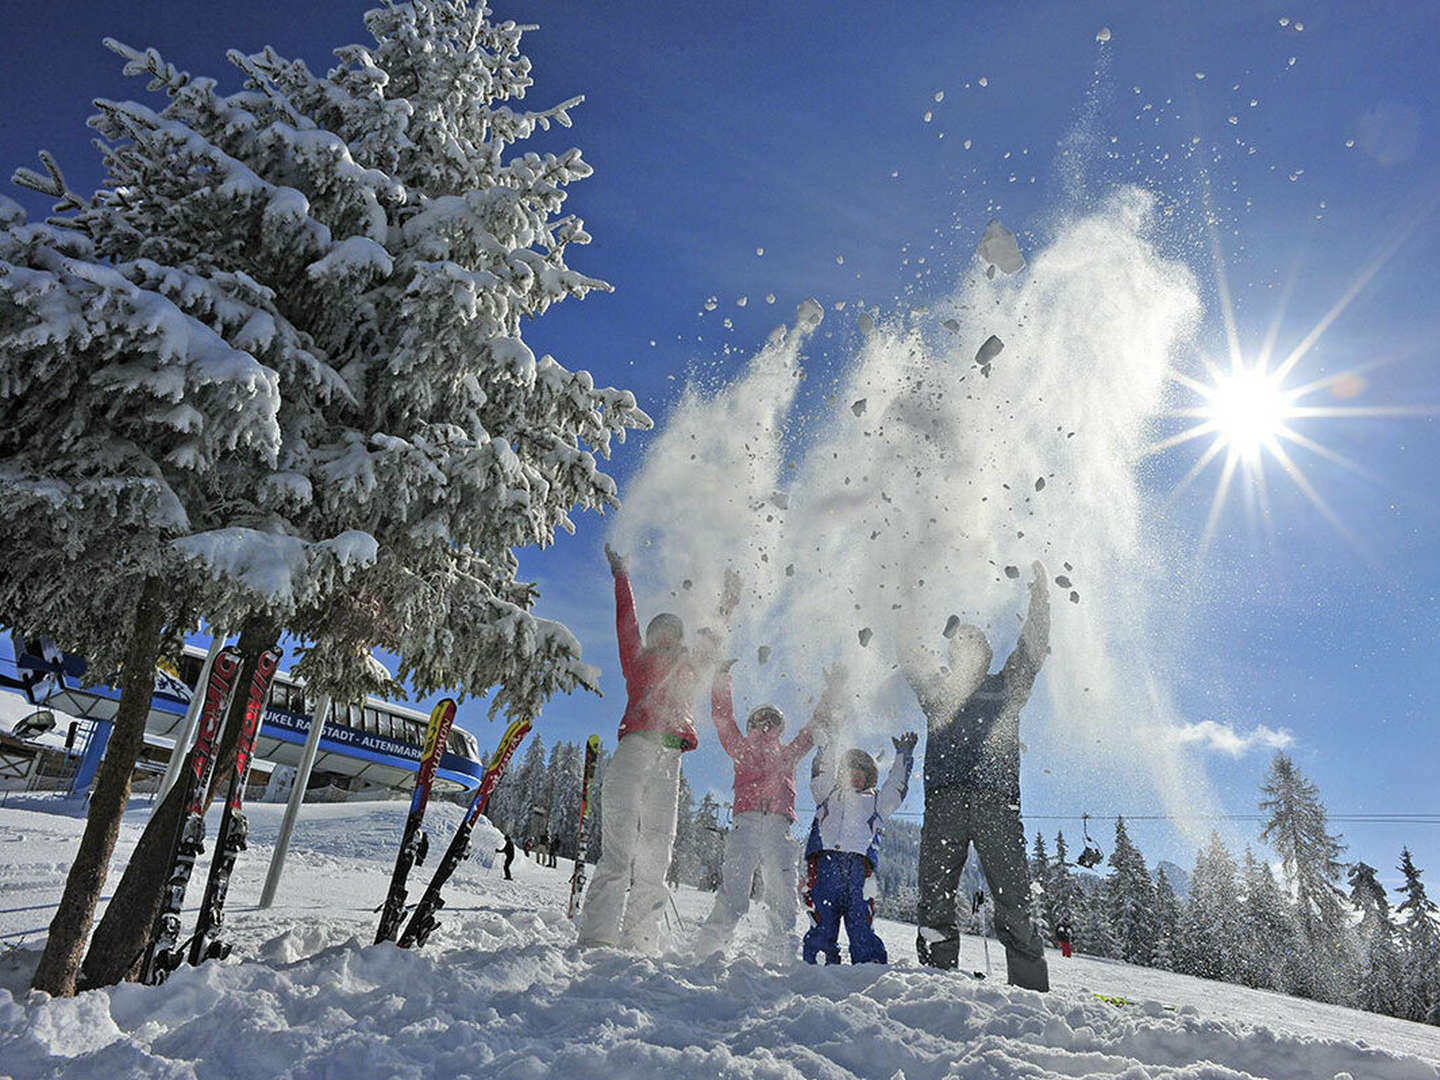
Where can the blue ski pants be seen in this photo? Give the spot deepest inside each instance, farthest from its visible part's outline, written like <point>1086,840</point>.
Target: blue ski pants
<point>836,894</point>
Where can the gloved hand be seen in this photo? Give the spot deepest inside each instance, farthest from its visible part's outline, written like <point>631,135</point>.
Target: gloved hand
<point>905,744</point>
<point>617,561</point>
<point>1039,582</point>
<point>728,664</point>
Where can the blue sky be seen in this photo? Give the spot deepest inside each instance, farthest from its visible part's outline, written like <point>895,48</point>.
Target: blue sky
<point>800,129</point>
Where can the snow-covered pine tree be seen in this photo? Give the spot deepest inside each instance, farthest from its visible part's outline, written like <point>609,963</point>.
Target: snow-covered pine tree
<point>1131,896</point>
<point>710,842</point>
<point>1376,976</point>
<point>1420,938</point>
<point>1209,921</point>
<point>503,810</point>
<point>123,422</point>
<point>566,765</point>
<point>685,859</point>
<point>1042,904</point>
<point>1063,889</point>
<point>1268,948</point>
<point>531,813</point>
<point>399,239</point>
<point>1296,827</point>
<point>1167,922</point>
<point>373,239</point>
<point>1093,931</point>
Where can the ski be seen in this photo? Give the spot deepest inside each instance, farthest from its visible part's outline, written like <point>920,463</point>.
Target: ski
<point>422,923</point>
<point>234,828</point>
<point>162,954</point>
<point>414,844</point>
<point>577,879</point>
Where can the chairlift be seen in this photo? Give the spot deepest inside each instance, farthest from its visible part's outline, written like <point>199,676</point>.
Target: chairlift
<point>1091,855</point>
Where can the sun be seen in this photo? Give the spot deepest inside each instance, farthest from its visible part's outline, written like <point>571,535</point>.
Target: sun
<point>1248,410</point>
<point>1253,419</point>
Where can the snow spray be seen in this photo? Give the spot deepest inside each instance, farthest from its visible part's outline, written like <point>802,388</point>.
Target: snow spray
<point>1002,427</point>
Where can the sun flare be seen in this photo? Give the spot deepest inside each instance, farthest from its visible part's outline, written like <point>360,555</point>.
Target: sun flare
<point>1248,410</point>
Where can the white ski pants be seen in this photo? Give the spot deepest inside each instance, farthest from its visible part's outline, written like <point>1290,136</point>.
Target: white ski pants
<point>638,802</point>
<point>762,840</point>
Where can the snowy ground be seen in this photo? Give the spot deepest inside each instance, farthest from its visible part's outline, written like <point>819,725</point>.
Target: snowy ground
<point>501,991</point>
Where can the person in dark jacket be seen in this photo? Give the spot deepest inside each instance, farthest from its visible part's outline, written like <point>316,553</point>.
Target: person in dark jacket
<point>1064,934</point>
<point>509,852</point>
<point>972,788</point>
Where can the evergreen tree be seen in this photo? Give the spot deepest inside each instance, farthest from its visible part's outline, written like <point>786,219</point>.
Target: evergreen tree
<point>710,842</point>
<point>342,265</point>
<point>122,423</point>
<point>1131,897</point>
<point>1209,921</point>
<point>1267,944</point>
<point>530,780</point>
<point>1093,932</point>
<point>1063,889</point>
<point>1377,970</point>
<point>567,762</point>
<point>1167,922</point>
<point>1042,904</point>
<point>1296,827</point>
<point>1420,935</point>
<point>685,861</point>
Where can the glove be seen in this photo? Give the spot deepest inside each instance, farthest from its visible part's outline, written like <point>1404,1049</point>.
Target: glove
<point>728,664</point>
<point>905,744</point>
<point>1038,580</point>
<point>617,561</point>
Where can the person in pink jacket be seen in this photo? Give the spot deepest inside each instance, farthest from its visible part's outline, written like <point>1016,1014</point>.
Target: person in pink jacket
<point>764,811</point>
<point>640,794</point>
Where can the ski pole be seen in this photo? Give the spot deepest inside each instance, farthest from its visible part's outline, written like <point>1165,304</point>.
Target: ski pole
<point>675,909</point>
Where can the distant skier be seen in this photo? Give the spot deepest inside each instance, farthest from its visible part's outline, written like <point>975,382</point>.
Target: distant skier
<point>844,842</point>
<point>639,799</point>
<point>509,852</point>
<point>1064,933</point>
<point>972,788</point>
<point>764,809</point>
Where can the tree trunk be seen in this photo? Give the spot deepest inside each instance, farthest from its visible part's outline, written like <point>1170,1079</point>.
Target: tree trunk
<point>60,962</point>
<point>119,942</point>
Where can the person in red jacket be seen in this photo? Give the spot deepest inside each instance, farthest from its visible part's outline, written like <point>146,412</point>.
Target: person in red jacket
<point>641,790</point>
<point>764,811</point>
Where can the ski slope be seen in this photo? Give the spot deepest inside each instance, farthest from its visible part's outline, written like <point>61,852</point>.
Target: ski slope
<point>501,991</point>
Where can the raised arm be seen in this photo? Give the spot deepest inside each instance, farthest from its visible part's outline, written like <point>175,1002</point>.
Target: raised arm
<point>627,626</point>
<point>1024,663</point>
<point>799,746</point>
<point>722,711</point>
<point>823,779</point>
<point>892,794</point>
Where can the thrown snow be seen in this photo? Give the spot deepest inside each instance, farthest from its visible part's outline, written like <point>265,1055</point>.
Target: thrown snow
<point>501,991</point>
<point>999,249</point>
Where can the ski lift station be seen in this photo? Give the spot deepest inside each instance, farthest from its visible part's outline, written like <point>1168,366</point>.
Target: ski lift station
<point>364,749</point>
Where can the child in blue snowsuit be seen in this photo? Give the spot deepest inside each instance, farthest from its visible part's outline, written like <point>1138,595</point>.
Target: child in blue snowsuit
<point>844,841</point>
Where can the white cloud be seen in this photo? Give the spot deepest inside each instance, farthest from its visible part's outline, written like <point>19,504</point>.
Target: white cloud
<point>1212,735</point>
